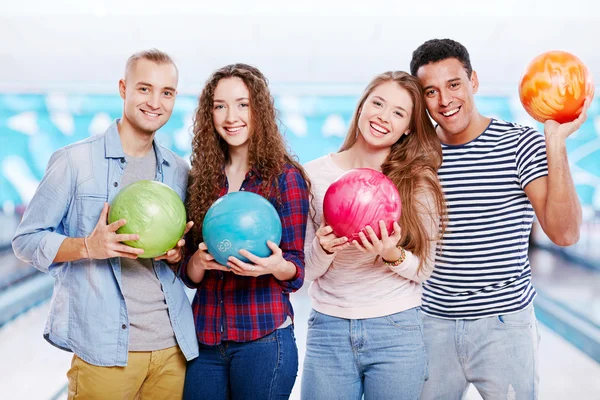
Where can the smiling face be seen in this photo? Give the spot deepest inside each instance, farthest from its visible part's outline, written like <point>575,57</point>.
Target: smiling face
<point>385,115</point>
<point>148,90</point>
<point>231,111</point>
<point>449,98</point>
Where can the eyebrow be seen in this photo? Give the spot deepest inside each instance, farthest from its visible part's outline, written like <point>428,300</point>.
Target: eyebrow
<point>382,99</point>
<point>149,84</point>
<point>448,81</point>
<point>223,101</point>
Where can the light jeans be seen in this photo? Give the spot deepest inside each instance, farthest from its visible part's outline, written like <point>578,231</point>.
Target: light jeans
<point>499,355</point>
<point>381,358</point>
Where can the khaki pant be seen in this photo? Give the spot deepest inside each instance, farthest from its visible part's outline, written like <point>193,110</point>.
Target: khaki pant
<point>148,375</point>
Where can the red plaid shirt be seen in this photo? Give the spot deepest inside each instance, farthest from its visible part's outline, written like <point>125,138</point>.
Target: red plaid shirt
<point>238,308</point>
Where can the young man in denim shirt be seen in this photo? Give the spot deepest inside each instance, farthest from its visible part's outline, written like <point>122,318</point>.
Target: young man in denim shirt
<point>127,320</point>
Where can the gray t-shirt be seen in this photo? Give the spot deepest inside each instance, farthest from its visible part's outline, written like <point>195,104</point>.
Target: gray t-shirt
<point>150,326</point>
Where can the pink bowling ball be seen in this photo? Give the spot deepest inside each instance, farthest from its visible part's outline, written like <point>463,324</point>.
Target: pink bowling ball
<point>361,197</point>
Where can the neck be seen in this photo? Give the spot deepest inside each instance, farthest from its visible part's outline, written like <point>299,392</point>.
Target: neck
<point>361,155</point>
<point>238,159</point>
<point>476,126</point>
<point>134,142</point>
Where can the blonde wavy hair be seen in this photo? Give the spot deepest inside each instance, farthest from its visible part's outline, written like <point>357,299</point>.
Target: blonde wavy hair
<point>412,163</point>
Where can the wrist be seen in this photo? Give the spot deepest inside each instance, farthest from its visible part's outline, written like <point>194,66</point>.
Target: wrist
<point>286,271</point>
<point>396,261</point>
<point>391,254</point>
<point>84,249</point>
<point>554,139</point>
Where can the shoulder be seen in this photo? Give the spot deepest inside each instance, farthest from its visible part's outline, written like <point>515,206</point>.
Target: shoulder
<point>80,151</point>
<point>316,165</point>
<point>291,176</point>
<point>96,140</point>
<point>512,130</point>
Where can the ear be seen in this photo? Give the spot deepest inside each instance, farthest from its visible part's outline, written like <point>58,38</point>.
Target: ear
<point>122,88</point>
<point>474,81</point>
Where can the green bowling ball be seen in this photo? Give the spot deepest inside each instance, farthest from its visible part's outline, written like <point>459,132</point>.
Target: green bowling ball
<point>152,210</point>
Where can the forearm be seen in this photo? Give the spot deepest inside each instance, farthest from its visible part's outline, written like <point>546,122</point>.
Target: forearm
<point>194,271</point>
<point>317,261</point>
<point>71,249</point>
<point>562,217</point>
<point>286,272</point>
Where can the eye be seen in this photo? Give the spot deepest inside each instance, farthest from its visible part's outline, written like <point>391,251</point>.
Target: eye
<point>244,104</point>
<point>455,85</point>
<point>377,103</point>
<point>398,113</point>
<point>430,93</point>
<point>219,106</point>
<point>144,89</point>
<point>168,93</point>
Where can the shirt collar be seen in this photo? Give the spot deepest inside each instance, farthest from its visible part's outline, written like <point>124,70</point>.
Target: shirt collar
<point>114,149</point>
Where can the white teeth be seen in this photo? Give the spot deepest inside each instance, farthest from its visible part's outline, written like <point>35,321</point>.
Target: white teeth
<point>379,128</point>
<point>234,129</point>
<point>150,114</point>
<point>451,112</point>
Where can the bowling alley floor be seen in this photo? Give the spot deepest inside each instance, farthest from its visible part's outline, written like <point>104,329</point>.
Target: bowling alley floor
<point>30,368</point>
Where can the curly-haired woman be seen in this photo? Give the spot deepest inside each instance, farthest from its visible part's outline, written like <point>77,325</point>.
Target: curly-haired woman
<point>242,310</point>
<point>365,332</point>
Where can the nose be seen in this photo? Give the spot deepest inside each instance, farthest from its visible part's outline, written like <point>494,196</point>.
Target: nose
<point>384,115</point>
<point>231,115</point>
<point>154,100</point>
<point>445,98</point>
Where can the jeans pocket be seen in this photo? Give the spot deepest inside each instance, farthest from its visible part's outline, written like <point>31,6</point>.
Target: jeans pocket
<point>521,319</point>
<point>270,337</point>
<point>313,317</point>
<point>408,319</point>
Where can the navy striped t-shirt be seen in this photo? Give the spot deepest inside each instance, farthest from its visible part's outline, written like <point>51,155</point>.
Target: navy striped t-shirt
<point>482,268</point>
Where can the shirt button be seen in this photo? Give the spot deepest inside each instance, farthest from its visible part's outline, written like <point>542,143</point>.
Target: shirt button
<point>221,302</point>
<point>242,189</point>
<point>123,326</point>
<point>122,161</point>
<point>115,184</point>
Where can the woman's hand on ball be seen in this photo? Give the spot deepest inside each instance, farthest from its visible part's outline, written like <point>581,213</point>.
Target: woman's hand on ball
<point>385,247</point>
<point>328,241</point>
<point>275,264</point>
<point>205,261</point>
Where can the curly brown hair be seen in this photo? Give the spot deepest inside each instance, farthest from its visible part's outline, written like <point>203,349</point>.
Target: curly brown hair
<point>412,163</point>
<point>267,151</point>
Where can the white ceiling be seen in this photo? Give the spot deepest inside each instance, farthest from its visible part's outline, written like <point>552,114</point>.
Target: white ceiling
<point>308,45</point>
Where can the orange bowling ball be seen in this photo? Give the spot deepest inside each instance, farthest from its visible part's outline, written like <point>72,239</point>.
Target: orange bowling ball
<point>554,86</point>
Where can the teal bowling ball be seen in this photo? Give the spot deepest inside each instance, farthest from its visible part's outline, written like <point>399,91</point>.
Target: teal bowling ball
<point>240,220</point>
<point>152,210</point>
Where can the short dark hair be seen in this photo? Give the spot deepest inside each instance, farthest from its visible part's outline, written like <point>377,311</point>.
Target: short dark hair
<point>435,50</point>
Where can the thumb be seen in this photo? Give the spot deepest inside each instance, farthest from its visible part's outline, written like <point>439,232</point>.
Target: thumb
<point>103,215</point>
<point>273,246</point>
<point>188,226</point>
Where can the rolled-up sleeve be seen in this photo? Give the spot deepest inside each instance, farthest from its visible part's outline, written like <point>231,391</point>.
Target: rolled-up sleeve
<point>294,214</point>
<point>41,231</point>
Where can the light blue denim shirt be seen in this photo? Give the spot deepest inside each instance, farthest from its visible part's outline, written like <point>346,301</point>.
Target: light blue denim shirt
<point>88,314</point>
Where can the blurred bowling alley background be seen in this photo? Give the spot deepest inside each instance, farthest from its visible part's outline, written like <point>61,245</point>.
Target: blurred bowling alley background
<point>60,62</point>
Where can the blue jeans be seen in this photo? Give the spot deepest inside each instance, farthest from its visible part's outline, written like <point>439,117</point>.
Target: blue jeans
<point>265,368</point>
<point>380,358</point>
<point>497,354</point>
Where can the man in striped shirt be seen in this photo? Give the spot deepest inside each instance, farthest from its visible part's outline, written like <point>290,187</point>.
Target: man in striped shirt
<point>479,322</point>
